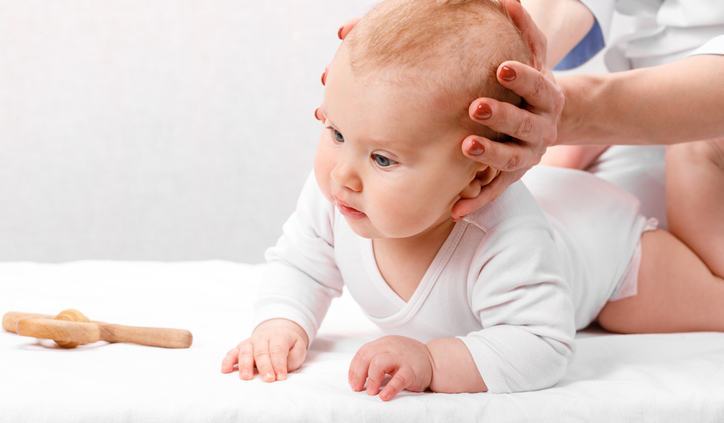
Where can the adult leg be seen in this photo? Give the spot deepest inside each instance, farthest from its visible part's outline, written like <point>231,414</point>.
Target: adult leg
<point>695,198</point>
<point>676,292</point>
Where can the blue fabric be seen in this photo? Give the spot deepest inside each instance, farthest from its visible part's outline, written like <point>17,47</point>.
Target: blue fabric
<point>591,44</point>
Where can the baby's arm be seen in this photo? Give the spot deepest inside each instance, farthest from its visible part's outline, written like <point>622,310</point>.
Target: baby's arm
<point>296,287</point>
<point>277,347</point>
<point>442,365</point>
<point>517,292</point>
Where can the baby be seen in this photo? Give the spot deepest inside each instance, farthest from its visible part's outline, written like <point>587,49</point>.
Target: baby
<point>487,303</point>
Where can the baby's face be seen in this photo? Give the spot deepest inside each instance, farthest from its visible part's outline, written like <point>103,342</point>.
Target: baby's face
<point>389,160</point>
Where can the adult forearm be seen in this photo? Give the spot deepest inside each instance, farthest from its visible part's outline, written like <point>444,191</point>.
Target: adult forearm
<point>564,23</point>
<point>678,102</point>
<point>454,369</point>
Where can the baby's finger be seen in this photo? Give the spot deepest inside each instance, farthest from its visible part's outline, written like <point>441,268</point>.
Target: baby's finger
<point>401,380</point>
<point>380,366</point>
<point>246,360</point>
<point>537,90</point>
<point>279,350</point>
<point>296,356</point>
<point>263,362</point>
<point>231,358</point>
<point>360,365</point>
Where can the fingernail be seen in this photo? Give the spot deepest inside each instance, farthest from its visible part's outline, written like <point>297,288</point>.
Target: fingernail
<point>339,32</point>
<point>245,374</point>
<point>476,149</point>
<point>268,377</point>
<point>324,78</point>
<point>507,73</point>
<point>483,111</point>
<point>281,376</point>
<point>317,114</point>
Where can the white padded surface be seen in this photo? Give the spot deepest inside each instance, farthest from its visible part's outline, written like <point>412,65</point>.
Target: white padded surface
<point>642,378</point>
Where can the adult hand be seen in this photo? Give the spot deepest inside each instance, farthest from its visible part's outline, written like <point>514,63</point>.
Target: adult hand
<point>341,33</point>
<point>408,362</point>
<point>277,346</point>
<point>533,127</point>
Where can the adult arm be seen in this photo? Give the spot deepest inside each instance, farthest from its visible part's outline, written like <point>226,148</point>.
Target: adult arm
<point>668,104</point>
<point>563,22</point>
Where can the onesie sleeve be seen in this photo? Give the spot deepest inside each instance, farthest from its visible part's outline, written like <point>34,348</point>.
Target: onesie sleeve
<point>301,277</point>
<point>523,303</point>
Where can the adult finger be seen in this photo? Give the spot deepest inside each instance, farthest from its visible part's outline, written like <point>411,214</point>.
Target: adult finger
<point>502,156</point>
<point>496,187</point>
<point>319,115</point>
<point>263,361</point>
<point>401,380</point>
<point>535,87</point>
<point>488,193</point>
<point>278,352</point>
<point>231,358</point>
<point>531,33</point>
<point>347,27</point>
<point>246,360</point>
<point>508,119</point>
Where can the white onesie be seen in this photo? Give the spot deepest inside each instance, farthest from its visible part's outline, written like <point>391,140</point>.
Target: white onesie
<point>512,281</point>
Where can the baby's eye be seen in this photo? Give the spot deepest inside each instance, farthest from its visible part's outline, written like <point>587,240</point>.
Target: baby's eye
<point>383,161</point>
<point>338,136</point>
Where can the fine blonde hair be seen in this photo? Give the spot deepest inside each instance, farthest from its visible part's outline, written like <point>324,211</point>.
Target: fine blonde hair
<point>450,49</point>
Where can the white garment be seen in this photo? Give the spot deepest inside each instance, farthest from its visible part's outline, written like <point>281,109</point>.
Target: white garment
<point>512,282</point>
<point>666,30</point>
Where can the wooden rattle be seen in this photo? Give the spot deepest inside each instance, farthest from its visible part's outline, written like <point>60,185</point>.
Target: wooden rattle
<point>71,328</point>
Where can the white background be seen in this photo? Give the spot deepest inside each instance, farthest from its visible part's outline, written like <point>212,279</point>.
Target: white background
<point>162,130</point>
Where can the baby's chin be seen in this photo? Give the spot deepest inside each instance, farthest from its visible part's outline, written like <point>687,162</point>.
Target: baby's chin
<point>367,230</point>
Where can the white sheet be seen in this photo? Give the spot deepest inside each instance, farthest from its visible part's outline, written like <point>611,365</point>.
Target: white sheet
<point>642,378</point>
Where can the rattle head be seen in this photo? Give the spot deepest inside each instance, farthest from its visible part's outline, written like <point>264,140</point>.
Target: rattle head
<point>70,315</point>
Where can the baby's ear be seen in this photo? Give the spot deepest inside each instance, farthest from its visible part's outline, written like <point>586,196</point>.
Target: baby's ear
<point>482,178</point>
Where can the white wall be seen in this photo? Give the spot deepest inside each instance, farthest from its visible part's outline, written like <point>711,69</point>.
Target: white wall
<point>159,130</point>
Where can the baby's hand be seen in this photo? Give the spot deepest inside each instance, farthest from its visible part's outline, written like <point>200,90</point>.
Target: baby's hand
<point>277,347</point>
<point>408,362</point>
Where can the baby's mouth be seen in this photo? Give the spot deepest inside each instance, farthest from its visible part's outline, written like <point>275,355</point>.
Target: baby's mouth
<point>348,211</point>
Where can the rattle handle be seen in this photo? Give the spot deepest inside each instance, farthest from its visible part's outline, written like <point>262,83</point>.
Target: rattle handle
<point>46,327</point>
<point>11,318</point>
<point>59,330</point>
<point>153,337</point>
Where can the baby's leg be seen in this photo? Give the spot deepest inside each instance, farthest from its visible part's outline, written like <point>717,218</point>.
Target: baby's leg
<point>695,198</point>
<point>676,292</point>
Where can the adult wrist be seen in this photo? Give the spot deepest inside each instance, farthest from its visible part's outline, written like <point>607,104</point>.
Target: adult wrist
<point>581,111</point>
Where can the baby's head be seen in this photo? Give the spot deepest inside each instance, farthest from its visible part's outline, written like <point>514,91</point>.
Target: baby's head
<point>396,111</point>
<point>447,51</point>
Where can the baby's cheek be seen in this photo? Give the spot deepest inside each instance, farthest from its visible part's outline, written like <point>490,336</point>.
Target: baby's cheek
<point>322,169</point>
<point>403,218</point>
